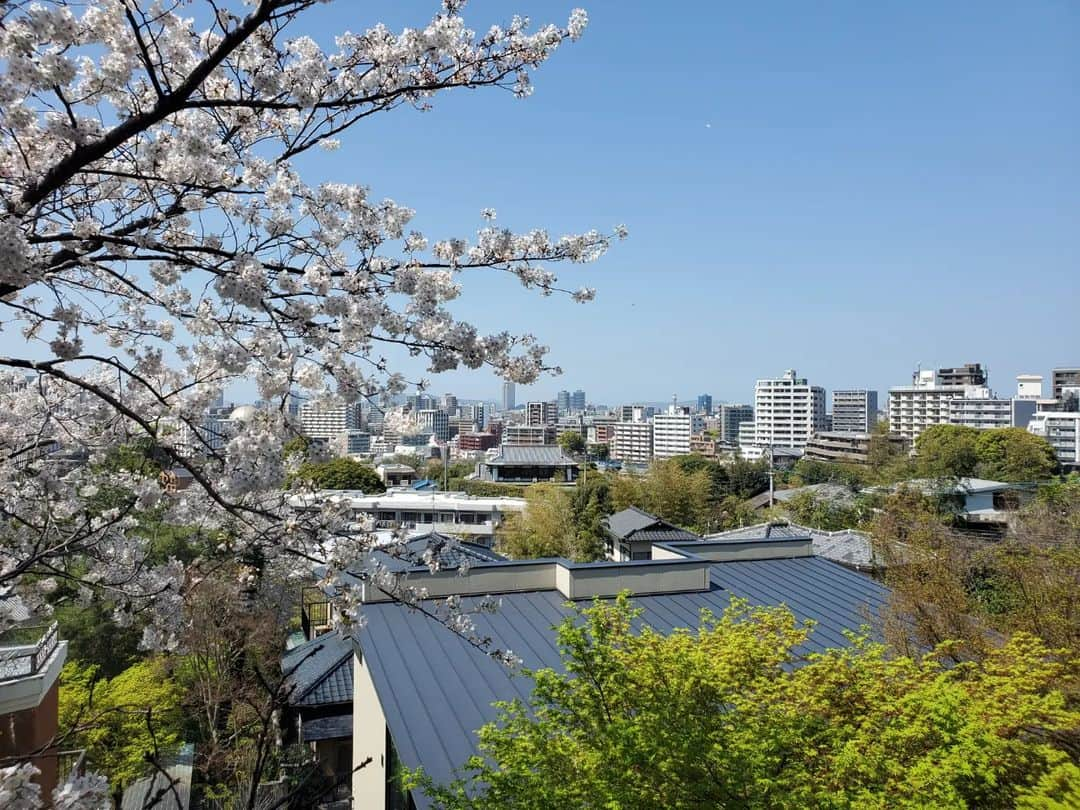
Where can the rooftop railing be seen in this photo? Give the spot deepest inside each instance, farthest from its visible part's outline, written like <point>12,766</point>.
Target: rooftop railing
<point>25,649</point>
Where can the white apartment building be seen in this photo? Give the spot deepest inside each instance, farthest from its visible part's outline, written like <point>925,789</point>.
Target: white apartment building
<point>979,409</point>
<point>672,431</point>
<point>788,411</point>
<point>541,413</point>
<point>1062,430</point>
<point>854,410</point>
<point>321,421</point>
<point>632,442</point>
<point>535,435</point>
<point>915,407</point>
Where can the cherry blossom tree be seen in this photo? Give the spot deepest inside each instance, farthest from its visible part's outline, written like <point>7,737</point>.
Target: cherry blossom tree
<point>159,244</point>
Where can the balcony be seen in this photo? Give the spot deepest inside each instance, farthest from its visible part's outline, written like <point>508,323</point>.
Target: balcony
<point>25,650</point>
<point>314,612</point>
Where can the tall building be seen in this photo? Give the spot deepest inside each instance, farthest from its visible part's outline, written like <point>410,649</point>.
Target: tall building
<point>1029,386</point>
<point>562,402</point>
<point>635,413</point>
<point>979,409</point>
<point>534,435</point>
<point>577,400</point>
<point>704,403</point>
<point>1062,378</point>
<point>508,401</point>
<point>632,442</point>
<point>788,411</point>
<point>1062,430</point>
<point>435,422</point>
<point>915,407</point>
<point>541,413</point>
<point>450,404</point>
<point>731,416</point>
<point>673,430</point>
<point>962,376</point>
<point>318,421</point>
<point>854,410</point>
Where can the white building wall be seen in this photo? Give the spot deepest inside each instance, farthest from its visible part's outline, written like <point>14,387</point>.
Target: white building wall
<point>369,740</point>
<point>632,442</point>
<point>787,412</point>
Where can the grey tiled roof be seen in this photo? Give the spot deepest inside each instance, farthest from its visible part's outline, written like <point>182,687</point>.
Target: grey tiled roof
<point>528,455</point>
<point>436,689</point>
<point>760,531</point>
<point>671,535</point>
<point>145,792</point>
<point>849,547</point>
<point>319,672</point>
<point>327,728</point>
<point>451,552</point>
<point>636,524</point>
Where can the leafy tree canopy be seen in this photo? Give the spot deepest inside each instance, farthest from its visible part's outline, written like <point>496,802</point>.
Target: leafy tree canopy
<point>340,473</point>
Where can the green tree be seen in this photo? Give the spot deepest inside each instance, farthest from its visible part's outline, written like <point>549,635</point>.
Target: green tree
<point>819,512</point>
<point>572,442</point>
<point>340,473</point>
<point>1013,454</point>
<point>723,716</point>
<point>947,451</point>
<point>670,491</point>
<point>123,720</point>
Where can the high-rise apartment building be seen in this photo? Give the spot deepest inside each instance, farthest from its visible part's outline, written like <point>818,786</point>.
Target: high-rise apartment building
<point>962,376</point>
<point>541,413</point>
<point>1062,430</point>
<point>632,442</point>
<point>788,411</point>
<point>731,416</point>
<point>979,409</point>
<point>704,403</point>
<point>319,421</point>
<point>508,400</point>
<point>1063,378</point>
<point>926,402</point>
<point>673,430</point>
<point>854,410</point>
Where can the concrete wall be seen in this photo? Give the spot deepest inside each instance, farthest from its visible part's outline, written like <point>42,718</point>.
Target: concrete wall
<point>369,740</point>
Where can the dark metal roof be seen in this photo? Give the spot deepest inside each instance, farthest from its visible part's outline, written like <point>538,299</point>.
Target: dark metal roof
<point>319,672</point>
<point>848,547</point>
<point>544,455</point>
<point>761,531</point>
<point>327,728</point>
<point>436,690</point>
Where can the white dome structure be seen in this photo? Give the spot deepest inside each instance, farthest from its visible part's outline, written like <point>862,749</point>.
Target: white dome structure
<point>244,413</point>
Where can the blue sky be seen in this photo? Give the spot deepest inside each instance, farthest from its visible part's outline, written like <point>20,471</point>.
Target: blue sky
<point>879,185</point>
<point>844,188</point>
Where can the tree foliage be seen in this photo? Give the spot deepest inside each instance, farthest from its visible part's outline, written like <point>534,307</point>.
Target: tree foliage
<point>1001,454</point>
<point>558,522</point>
<point>121,721</point>
<point>733,714</point>
<point>340,473</point>
<point>572,442</point>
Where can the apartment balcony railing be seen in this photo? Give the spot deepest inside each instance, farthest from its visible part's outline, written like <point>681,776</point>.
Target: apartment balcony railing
<point>25,649</point>
<point>70,764</point>
<point>314,612</point>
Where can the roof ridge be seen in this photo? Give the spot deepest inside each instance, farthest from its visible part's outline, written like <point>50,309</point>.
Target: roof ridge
<point>330,670</point>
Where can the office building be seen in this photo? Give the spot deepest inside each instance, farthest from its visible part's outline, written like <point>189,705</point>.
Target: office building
<point>477,442</point>
<point>435,422</point>
<point>541,413</point>
<point>632,442</point>
<point>731,417</point>
<point>357,442</point>
<point>562,402</point>
<point>636,413</point>
<point>577,401</point>
<point>1062,378</point>
<point>508,401</point>
<point>788,411</point>
<point>672,431</point>
<point>854,410</point>
<point>450,404</point>
<point>324,421</point>
<point>704,403</point>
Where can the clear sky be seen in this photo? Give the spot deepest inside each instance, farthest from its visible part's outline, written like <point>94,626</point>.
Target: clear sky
<point>845,188</point>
